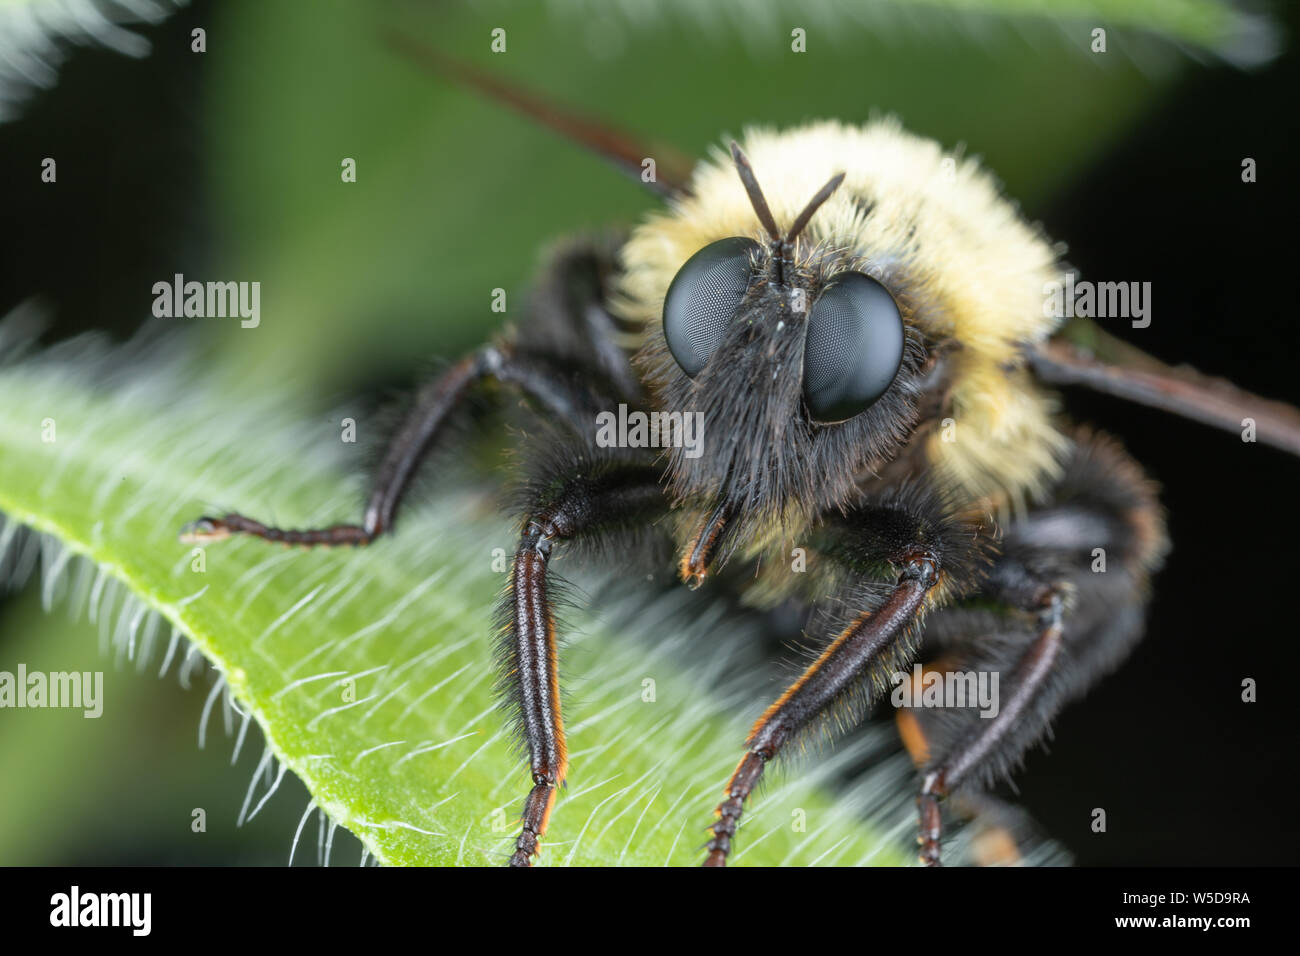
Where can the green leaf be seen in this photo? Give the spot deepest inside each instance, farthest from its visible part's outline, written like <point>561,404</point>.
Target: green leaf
<point>369,671</point>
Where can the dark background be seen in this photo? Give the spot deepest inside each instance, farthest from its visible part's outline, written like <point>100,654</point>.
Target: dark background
<point>1203,770</point>
<point>1187,773</point>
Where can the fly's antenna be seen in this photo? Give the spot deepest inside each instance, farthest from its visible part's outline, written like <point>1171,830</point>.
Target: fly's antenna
<point>756,197</point>
<point>782,245</point>
<point>814,204</point>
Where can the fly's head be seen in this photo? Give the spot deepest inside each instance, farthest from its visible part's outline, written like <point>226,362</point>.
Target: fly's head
<point>798,364</point>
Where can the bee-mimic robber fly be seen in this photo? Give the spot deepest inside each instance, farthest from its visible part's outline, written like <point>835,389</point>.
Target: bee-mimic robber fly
<point>857,318</point>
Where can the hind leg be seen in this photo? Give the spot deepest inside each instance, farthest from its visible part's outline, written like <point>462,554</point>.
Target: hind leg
<point>1069,592</point>
<point>1003,829</point>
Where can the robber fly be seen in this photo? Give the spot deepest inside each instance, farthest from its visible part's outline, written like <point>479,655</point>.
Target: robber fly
<point>858,319</point>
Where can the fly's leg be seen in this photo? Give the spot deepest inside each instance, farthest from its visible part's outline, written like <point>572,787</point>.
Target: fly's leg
<point>1065,619</point>
<point>908,536</point>
<point>582,506</point>
<point>1029,678</point>
<point>535,376</point>
<point>843,663</point>
<point>568,357</point>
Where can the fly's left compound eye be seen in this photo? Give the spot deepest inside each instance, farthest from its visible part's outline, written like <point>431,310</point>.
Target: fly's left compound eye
<point>702,299</point>
<point>854,347</point>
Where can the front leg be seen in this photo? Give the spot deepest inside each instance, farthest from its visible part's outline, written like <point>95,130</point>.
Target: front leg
<point>586,501</point>
<point>841,664</point>
<point>925,549</point>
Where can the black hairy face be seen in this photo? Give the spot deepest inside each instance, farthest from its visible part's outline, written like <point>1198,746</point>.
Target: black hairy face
<point>798,402</point>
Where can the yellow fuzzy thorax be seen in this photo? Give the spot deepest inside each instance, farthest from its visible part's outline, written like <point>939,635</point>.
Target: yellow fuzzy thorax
<point>968,255</point>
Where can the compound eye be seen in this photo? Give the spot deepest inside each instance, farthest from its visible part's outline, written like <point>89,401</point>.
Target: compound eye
<point>854,347</point>
<point>703,297</point>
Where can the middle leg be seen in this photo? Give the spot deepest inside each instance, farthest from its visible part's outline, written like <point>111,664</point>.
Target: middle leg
<point>1048,617</point>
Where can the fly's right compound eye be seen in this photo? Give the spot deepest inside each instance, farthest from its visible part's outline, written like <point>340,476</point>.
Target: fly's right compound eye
<point>703,297</point>
<point>854,347</point>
